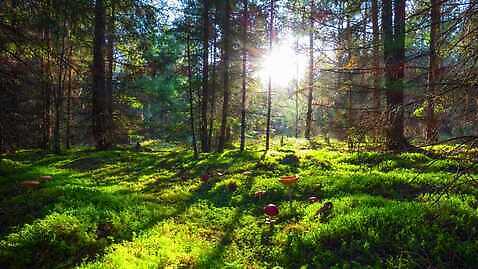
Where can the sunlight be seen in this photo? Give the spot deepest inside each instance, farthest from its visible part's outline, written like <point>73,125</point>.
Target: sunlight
<point>283,64</point>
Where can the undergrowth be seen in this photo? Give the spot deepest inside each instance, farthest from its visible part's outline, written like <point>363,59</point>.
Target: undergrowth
<point>148,209</point>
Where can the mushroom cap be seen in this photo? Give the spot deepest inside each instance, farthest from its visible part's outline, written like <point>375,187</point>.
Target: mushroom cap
<point>205,177</point>
<point>271,210</point>
<point>288,180</point>
<point>313,199</point>
<point>45,178</point>
<point>30,184</point>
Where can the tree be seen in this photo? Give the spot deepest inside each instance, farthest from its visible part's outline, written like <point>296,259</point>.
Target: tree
<point>110,64</point>
<point>214,83</point>
<point>394,58</point>
<point>310,86</point>
<point>269,84</point>
<point>225,103</point>
<point>190,92</point>
<point>205,78</point>
<point>376,93</point>
<point>101,115</point>
<point>244,74</point>
<point>433,72</point>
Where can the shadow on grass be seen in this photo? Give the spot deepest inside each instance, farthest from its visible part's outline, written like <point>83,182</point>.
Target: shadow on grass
<point>216,255</point>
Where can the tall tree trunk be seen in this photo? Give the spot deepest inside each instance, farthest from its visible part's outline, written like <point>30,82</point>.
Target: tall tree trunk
<point>60,88</point>
<point>433,73</point>
<point>110,65</point>
<point>68,106</point>
<point>339,55</point>
<point>213,85</point>
<point>394,58</point>
<point>225,103</point>
<point>190,93</point>
<point>376,93</point>
<point>244,75</point>
<point>46,72</point>
<point>100,98</point>
<point>310,86</point>
<point>349,80</point>
<point>269,88</point>
<point>205,79</point>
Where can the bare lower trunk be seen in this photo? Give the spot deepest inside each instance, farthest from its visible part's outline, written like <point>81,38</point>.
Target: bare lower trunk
<point>310,86</point>
<point>68,110</point>
<point>376,93</point>
<point>101,116</point>
<point>433,74</point>
<point>59,92</point>
<point>205,78</point>
<point>269,88</point>
<point>394,56</point>
<point>190,92</point>
<point>47,95</point>
<point>110,67</point>
<point>213,88</point>
<point>244,77</point>
<point>225,104</point>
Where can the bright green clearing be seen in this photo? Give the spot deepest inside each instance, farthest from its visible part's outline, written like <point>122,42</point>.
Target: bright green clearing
<point>128,209</point>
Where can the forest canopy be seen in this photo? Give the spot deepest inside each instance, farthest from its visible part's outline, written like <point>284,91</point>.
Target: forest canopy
<point>396,74</point>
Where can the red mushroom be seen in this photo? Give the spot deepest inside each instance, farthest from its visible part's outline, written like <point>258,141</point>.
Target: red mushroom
<point>314,199</point>
<point>271,210</point>
<point>289,180</point>
<point>30,184</point>
<point>45,178</point>
<point>205,177</point>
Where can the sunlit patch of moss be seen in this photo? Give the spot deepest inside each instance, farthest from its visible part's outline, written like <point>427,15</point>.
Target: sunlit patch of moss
<point>167,244</point>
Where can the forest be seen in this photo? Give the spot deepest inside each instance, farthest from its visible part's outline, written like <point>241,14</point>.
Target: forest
<point>238,134</point>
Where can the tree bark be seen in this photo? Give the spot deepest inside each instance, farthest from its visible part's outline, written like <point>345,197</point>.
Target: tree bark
<point>433,73</point>
<point>376,93</point>
<point>190,93</point>
<point>110,66</point>
<point>269,88</point>
<point>349,79</point>
<point>60,89</point>
<point>46,72</point>
<point>68,108</point>
<point>213,85</point>
<point>394,58</point>
<point>244,76</point>
<point>205,79</point>
<point>101,115</point>
<point>225,103</point>
<point>310,86</point>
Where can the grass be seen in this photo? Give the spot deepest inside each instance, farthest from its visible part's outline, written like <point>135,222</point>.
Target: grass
<point>128,209</point>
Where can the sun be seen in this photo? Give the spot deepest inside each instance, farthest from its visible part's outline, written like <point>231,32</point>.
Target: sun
<point>283,65</point>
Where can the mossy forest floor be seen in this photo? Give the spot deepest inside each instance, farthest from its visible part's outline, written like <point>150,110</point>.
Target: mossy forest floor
<point>150,209</point>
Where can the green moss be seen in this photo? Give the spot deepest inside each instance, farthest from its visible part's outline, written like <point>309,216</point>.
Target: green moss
<point>127,209</point>
<point>8,167</point>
